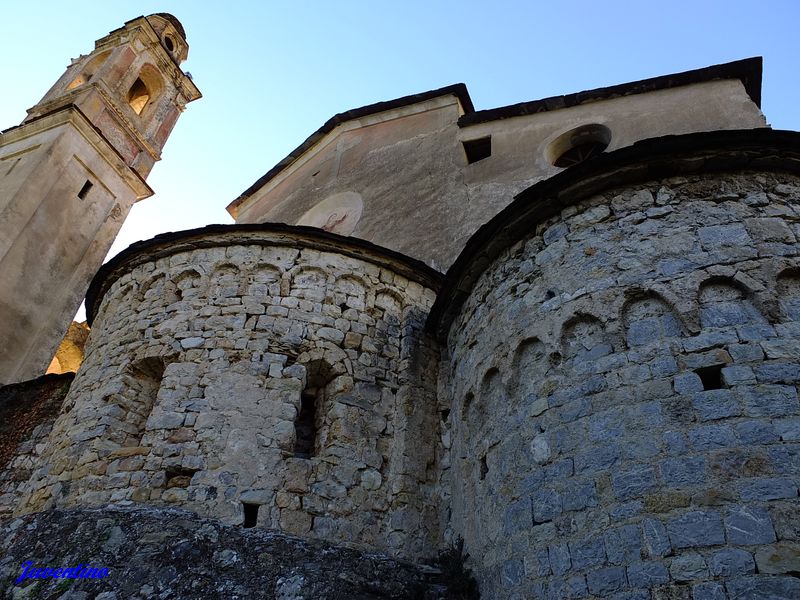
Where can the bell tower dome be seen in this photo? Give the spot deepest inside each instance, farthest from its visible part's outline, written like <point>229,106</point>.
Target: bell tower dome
<point>70,173</point>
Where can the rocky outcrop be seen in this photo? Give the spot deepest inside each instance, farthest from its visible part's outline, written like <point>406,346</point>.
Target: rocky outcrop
<point>170,553</point>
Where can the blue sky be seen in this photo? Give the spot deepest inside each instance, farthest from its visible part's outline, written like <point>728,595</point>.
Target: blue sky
<point>273,72</point>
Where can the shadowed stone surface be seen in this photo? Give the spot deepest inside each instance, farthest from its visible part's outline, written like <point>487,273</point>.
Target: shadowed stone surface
<point>169,553</point>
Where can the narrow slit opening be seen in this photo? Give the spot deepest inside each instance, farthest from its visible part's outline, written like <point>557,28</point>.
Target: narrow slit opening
<point>250,514</point>
<point>87,187</point>
<point>305,427</point>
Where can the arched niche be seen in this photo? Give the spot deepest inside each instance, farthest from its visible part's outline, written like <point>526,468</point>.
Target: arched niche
<point>158,290</point>
<point>224,282</point>
<point>89,70</point>
<point>145,89</point>
<point>309,283</point>
<point>187,284</point>
<point>725,303</point>
<point>649,319</point>
<point>350,292</point>
<point>265,280</point>
<point>583,337</point>
<point>529,366</point>
<point>788,288</point>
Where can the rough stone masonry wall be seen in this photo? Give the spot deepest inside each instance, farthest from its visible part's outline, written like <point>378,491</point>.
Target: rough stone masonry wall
<point>27,412</point>
<point>625,419</point>
<point>192,382</point>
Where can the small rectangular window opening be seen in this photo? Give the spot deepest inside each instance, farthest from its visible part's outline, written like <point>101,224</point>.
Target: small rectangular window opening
<point>85,190</point>
<point>305,428</point>
<point>250,514</point>
<point>178,477</point>
<point>711,377</point>
<point>478,149</point>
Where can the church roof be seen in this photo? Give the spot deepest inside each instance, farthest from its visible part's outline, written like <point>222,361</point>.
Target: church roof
<point>748,71</point>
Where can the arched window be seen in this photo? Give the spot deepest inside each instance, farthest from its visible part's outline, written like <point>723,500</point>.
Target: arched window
<point>89,70</point>
<point>138,96</point>
<point>145,89</point>
<point>309,421</point>
<point>578,145</point>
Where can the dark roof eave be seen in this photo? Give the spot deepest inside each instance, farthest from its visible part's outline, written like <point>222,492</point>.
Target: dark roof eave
<point>747,70</point>
<point>646,160</point>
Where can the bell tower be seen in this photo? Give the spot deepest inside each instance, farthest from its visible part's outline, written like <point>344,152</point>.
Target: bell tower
<point>70,173</point>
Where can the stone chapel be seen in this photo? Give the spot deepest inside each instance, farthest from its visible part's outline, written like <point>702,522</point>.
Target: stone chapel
<point>547,350</point>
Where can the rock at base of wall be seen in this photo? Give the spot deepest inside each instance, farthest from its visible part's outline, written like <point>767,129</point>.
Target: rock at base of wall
<point>167,553</point>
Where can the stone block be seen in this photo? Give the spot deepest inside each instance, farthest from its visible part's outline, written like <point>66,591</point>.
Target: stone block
<point>730,562</point>
<point>675,442</point>
<point>696,529</point>
<point>716,404</point>
<point>786,519</point>
<point>684,471</point>
<point>606,581</point>
<point>709,591</point>
<point>769,400</point>
<point>717,237</point>
<point>755,332</point>
<point>647,574</point>
<point>687,567</point>
<point>330,334</point>
<point>763,587</point>
<point>511,572</point>
<point>296,521</point>
<point>748,525</point>
<point>785,458</point>
<point>781,349</point>
<point>746,352</point>
<point>586,553</point>
<point>633,482</point>
<point>709,339</point>
<point>576,586</point>
<point>626,510</point>
<point>687,383</point>
<point>518,517</point>
<point>778,372</point>
<point>664,366</point>
<point>623,544</point>
<point>711,437</point>
<point>579,495</point>
<point>537,563</point>
<point>737,375</point>
<point>555,232</point>
<point>165,420</point>
<point>559,558</point>
<point>756,432</point>
<point>606,426</point>
<point>779,559</point>
<point>767,488</point>
<point>598,458</point>
<point>192,342</point>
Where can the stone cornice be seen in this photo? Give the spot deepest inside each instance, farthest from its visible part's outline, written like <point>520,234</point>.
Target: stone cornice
<point>73,115</point>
